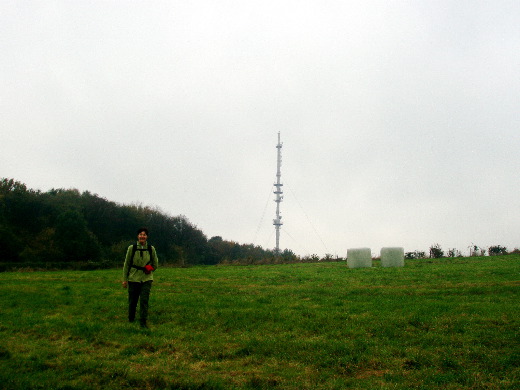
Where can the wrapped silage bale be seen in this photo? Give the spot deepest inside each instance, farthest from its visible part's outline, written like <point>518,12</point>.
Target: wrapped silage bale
<point>392,257</point>
<point>359,257</point>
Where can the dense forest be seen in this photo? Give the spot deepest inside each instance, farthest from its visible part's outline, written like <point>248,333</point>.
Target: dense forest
<point>64,228</point>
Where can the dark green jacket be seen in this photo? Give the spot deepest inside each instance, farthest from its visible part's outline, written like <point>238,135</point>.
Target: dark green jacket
<point>141,258</point>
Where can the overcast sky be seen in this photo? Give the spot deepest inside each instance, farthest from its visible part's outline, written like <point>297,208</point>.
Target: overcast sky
<point>400,120</point>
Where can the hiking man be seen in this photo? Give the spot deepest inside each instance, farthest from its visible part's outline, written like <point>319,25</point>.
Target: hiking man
<point>140,263</point>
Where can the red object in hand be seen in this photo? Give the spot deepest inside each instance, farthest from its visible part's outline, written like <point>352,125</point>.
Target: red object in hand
<point>148,269</point>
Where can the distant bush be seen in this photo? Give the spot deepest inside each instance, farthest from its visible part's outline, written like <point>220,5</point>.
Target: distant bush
<point>497,250</point>
<point>452,252</point>
<point>415,255</point>
<point>475,250</point>
<point>436,251</point>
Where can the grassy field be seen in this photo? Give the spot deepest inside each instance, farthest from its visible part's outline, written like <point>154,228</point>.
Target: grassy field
<point>434,324</point>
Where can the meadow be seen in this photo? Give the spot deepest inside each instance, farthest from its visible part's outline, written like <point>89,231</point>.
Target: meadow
<point>434,324</point>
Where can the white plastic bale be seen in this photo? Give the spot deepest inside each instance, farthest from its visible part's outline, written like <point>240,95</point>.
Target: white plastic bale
<point>392,257</point>
<point>359,257</point>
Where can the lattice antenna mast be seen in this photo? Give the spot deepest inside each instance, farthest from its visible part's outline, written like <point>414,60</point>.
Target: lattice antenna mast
<point>277,222</point>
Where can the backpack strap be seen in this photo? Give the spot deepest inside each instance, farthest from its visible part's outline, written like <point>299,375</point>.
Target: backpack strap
<point>134,249</point>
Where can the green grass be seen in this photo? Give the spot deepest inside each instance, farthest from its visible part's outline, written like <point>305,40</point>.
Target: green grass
<point>434,324</point>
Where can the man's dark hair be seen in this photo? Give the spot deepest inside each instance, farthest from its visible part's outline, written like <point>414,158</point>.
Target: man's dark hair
<point>143,229</point>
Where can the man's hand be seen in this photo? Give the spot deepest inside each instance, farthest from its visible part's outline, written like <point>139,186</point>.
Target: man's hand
<point>125,284</point>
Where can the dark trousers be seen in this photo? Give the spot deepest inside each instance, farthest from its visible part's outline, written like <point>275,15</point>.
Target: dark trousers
<point>139,292</point>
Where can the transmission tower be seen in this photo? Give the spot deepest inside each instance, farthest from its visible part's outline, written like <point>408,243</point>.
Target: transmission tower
<point>277,222</point>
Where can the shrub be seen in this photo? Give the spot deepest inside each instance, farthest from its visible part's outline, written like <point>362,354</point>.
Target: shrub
<point>496,250</point>
<point>436,251</point>
<point>452,252</point>
<point>415,255</point>
<point>474,250</point>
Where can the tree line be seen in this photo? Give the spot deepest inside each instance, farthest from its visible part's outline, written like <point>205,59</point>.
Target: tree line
<point>65,227</point>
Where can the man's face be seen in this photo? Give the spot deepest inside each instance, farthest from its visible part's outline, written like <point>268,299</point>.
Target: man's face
<point>142,237</point>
